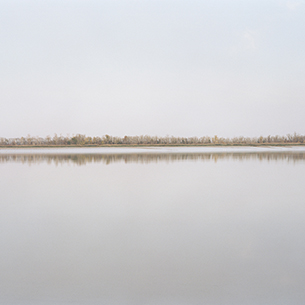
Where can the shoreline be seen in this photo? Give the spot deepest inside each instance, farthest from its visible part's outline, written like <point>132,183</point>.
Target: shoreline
<point>139,150</point>
<point>153,145</point>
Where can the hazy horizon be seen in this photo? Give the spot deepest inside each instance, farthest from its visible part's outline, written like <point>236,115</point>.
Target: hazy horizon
<point>61,135</point>
<point>182,68</point>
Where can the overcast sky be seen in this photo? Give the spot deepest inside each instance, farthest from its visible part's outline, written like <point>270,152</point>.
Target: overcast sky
<point>157,67</point>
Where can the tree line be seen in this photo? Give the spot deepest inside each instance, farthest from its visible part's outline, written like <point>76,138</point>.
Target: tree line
<point>83,140</point>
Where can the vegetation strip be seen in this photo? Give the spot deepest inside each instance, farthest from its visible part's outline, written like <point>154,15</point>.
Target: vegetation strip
<point>106,140</point>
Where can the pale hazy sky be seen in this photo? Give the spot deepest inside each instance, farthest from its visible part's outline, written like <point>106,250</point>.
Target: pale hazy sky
<point>157,67</point>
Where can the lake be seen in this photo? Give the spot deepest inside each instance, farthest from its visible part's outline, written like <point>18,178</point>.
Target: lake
<point>177,226</point>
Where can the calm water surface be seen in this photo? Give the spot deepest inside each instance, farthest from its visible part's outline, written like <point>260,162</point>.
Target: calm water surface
<point>165,226</point>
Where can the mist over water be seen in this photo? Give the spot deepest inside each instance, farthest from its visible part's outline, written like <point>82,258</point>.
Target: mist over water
<point>153,228</point>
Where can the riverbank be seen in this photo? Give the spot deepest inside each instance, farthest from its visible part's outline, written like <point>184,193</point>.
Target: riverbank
<point>158,145</point>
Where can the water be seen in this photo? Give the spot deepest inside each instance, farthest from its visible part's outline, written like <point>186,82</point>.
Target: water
<point>152,226</point>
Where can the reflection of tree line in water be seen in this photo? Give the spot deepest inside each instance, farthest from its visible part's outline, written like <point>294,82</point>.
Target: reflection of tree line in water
<point>82,159</point>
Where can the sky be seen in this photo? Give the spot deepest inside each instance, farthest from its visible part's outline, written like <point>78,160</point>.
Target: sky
<point>156,67</point>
